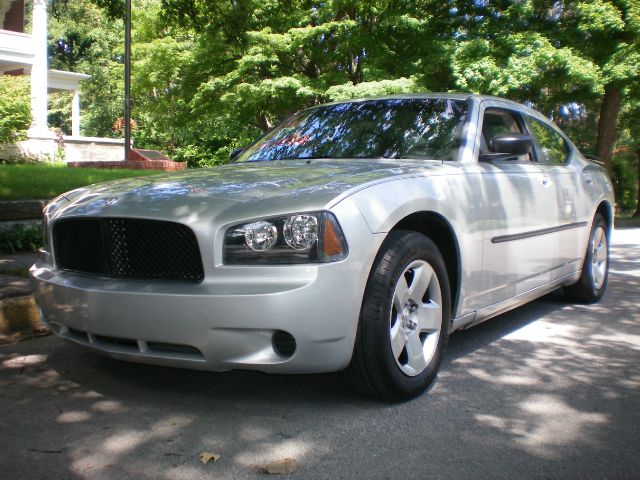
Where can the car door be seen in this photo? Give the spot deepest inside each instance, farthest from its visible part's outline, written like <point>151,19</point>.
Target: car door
<point>554,154</point>
<point>522,210</point>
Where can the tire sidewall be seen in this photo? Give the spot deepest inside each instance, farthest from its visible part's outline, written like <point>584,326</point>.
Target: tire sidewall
<point>399,250</point>
<point>594,293</point>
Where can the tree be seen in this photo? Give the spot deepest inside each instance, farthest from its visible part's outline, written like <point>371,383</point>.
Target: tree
<point>15,108</point>
<point>83,39</point>
<point>606,32</point>
<point>275,57</point>
<point>629,157</point>
<point>209,76</point>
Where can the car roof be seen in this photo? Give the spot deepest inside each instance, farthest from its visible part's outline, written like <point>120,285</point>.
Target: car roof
<point>405,96</point>
<point>476,98</point>
<point>437,95</point>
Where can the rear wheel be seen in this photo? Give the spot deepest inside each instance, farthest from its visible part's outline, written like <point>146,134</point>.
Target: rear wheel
<point>404,321</point>
<point>595,270</point>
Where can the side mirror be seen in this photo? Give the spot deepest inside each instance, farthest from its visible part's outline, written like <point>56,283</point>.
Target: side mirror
<point>508,145</point>
<point>236,152</point>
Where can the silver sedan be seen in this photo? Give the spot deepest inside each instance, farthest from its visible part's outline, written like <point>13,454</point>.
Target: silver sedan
<point>356,236</point>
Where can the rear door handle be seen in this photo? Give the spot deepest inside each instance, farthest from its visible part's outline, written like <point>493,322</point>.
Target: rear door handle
<point>546,182</point>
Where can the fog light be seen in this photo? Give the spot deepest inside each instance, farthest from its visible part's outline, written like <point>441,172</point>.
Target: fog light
<point>283,343</point>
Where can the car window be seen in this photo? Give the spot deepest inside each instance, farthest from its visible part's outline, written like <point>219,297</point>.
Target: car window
<point>553,148</point>
<point>496,122</point>
<point>422,128</point>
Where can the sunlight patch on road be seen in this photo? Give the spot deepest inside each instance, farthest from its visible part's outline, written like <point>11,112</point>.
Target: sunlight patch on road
<point>123,442</point>
<point>553,423</point>
<point>107,406</point>
<point>546,422</point>
<point>168,426</point>
<point>544,331</point>
<point>509,379</point>
<point>73,417</point>
<point>273,450</point>
<point>632,383</point>
<point>86,395</point>
<point>24,361</point>
<point>629,273</point>
<point>252,434</point>
<point>630,340</point>
<point>97,457</point>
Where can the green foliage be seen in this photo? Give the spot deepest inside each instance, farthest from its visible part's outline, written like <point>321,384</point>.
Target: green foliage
<point>20,238</point>
<point>83,39</point>
<point>626,164</point>
<point>198,157</point>
<point>59,115</point>
<point>209,76</point>
<point>625,180</point>
<point>524,65</point>
<point>369,89</point>
<point>15,108</point>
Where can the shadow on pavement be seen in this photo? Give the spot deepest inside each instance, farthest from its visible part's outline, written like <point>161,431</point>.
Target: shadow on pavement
<point>549,390</point>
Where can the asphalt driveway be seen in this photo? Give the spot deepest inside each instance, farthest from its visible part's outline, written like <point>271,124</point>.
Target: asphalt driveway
<point>549,390</point>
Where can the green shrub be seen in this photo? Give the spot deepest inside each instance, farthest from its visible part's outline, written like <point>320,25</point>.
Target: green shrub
<point>20,239</point>
<point>624,176</point>
<point>198,157</point>
<point>15,108</point>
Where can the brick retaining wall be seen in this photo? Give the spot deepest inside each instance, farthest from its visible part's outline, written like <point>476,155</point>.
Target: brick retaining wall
<point>167,165</point>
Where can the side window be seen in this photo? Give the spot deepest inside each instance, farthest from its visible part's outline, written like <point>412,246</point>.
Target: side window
<point>553,149</point>
<point>497,121</point>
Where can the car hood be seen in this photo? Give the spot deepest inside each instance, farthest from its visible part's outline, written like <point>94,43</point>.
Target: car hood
<point>233,191</point>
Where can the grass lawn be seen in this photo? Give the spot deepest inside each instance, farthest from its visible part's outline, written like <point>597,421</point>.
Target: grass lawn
<point>45,181</point>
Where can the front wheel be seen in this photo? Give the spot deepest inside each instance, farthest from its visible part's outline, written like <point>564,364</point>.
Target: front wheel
<point>595,270</point>
<point>404,321</point>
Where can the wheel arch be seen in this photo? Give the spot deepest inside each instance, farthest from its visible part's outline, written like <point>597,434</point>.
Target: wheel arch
<point>440,231</point>
<point>606,210</point>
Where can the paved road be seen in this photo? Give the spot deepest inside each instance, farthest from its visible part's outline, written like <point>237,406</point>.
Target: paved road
<point>547,391</point>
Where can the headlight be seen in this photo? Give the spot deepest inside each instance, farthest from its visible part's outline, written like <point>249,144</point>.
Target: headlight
<point>299,238</point>
<point>260,236</point>
<point>301,231</point>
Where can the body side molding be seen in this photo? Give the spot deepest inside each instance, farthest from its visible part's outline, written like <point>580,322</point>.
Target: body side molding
<point>535,233</point>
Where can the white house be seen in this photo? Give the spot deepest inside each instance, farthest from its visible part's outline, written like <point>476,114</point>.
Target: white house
<point>23,53</point>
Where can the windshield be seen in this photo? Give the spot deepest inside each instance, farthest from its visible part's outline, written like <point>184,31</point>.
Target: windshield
<point>424,128</point>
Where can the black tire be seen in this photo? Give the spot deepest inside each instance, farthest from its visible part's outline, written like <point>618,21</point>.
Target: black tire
<point>595,270</point>
<point>376,368</point>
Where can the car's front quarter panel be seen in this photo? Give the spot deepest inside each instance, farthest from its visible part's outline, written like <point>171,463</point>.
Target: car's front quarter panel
<point>455,194</point>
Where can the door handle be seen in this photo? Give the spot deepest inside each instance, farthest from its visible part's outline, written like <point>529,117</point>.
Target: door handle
<point>546,182</point>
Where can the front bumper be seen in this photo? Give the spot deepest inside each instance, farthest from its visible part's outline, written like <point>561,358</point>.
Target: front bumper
<point>210,326</point>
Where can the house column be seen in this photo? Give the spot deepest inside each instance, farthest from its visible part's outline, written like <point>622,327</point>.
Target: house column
<point>39,126</point>
<point>75,114</point>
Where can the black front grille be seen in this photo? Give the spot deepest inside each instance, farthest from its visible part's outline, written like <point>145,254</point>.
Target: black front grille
<point>128,248</point>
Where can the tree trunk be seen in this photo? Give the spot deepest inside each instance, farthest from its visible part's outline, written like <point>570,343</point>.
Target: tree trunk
<point>263,122</point>
<point>607,124</point>
<point>637,214</point>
